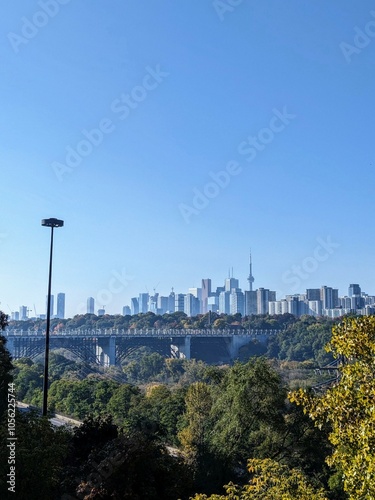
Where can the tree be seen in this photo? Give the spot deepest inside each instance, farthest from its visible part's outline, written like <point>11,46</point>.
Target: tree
<point>349,406</point>
<point>270,480</point>
<point>247,413</point>
<point>40,452</point>
<point>123,399</point>
<point>194,436</point>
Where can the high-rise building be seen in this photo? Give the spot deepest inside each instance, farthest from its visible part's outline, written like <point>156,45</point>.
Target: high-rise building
<point>51,304</point>
<point>171,302</point>
<point>206,292</point>
<point>90,305</point>
<point>153,303</point>
<point>213,304</point>
<point>262,300</point>
<point>191,305</point>
<point>354,290</point>
<point>237,302</point>
<point>224,303</point>
<point>329,297</point>
<point>101,312</point>
<point>293,304</point>
<point>250,302</point>
<point>143,302</point>
<point>230,283</point>
<point>23,313</point>
<point>179,304</point>
<point>278,307</point>
<point>315,307</point>
<point>134,306</point>
<point>163,303</point>
<point>15,316</point>
<point>313,293</point>
<point>126,311</point>
<point>60,313</point>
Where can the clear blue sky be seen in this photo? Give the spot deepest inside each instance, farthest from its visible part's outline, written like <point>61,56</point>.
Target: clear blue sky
<point>202,80</point>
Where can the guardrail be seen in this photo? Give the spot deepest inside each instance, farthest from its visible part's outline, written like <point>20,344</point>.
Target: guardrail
<point>139,332</point>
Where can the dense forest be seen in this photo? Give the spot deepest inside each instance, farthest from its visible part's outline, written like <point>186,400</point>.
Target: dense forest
<point>157,428</point>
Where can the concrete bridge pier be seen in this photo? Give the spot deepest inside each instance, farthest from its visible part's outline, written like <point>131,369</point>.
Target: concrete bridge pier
<point>236,342</point>
<point>181,347</point>
<point>185,348</point>
<point>10,345</point>
<point>106,351</point>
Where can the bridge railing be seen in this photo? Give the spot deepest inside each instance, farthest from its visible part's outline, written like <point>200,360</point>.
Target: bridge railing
<point>141,332</point>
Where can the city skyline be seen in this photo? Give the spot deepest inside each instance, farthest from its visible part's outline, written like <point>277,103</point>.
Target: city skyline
<point>173,138</point>
<point>198,300</point>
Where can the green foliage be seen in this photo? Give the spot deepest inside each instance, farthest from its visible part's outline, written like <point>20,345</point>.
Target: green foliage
<point>302,340</point>
<point>80,398</point>
<point>122,400</point>
<point>28,379</point>
<point>349,407</point>
<point>198,402</point>
<point>271,481</point>
<point>40,453</point>
<point>247,413</point>
<point>106,464</point>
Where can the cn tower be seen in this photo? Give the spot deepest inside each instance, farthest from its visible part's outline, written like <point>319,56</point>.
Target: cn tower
<point>250,279</point>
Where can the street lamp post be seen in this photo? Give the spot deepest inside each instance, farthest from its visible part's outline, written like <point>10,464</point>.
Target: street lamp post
<point>52,223</point>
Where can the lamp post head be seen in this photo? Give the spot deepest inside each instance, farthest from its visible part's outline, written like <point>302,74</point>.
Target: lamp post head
<point>52,222</point>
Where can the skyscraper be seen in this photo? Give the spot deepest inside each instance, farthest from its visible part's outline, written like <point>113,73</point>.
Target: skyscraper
<point>230,283</point>
<point>354,290</point>
<point>313,294</point>
<point>329,297</point>
<point>262,300</point>
<point>191,305</point>
<point>179,302</point>
<point>60,313</point>
<point>250,302</point>
<point>90,305</point>
<point>23,313</point>
<point>224,303</point>
<point>143,302</point>
<point>250,279</point>
<point>171,302</point>
<point>134,306</point>
<point>206,292</point>
<point>126,311</point>
<point>237,302</point>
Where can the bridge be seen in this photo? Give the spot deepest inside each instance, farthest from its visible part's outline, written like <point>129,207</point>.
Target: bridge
<point>110,346</point>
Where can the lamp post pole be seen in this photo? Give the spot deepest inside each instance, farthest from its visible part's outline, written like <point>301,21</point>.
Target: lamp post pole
<point>52,223</point>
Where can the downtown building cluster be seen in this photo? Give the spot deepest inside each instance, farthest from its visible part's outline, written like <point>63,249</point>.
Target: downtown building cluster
<point>230,299</point>
<point>23,313</point>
